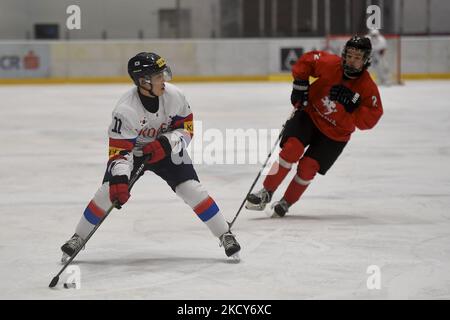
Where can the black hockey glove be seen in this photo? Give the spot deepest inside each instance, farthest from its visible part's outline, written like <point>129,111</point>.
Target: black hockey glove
<point>299,95</point>
<point>349,99</point>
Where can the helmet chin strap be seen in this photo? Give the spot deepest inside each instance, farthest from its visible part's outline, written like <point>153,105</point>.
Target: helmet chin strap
<point>352,73</point>
<point>151,88</point>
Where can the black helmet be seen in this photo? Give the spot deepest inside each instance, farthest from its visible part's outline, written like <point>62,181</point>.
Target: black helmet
<point>360,43</point>
<point>145,64</point>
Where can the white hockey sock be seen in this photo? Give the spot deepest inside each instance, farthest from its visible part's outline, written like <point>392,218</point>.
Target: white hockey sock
<point>94,212</point>
<point>194,195</point>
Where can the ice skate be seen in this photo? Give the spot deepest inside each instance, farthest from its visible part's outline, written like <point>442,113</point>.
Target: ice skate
<point>71,246</point>
<point>231,246</point>
<point>279,209</point>
<point>258,200</point>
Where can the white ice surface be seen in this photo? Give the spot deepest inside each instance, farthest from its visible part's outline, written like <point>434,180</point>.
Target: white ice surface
<point>385,202</point>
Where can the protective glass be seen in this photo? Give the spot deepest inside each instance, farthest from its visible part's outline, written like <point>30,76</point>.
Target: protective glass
<point>160,77</point>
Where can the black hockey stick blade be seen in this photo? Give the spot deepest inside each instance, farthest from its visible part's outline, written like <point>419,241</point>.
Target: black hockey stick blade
<point>54,282</point>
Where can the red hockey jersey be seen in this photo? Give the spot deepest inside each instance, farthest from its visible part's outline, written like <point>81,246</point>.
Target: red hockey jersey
<point>329,116</point>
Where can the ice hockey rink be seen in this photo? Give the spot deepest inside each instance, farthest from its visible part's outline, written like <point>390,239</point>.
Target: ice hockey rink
<point>384,206</point>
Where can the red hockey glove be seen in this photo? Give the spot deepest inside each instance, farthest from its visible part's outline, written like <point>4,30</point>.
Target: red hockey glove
<point>158,149</point>
<point>118,190</point>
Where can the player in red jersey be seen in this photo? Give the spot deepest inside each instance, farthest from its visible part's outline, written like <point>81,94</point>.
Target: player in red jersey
<point>343,97</point>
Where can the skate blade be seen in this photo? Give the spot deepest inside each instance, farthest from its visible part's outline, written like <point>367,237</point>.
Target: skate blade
<point>234,258</point>
<point>254,207</point>
<point>270,212</point>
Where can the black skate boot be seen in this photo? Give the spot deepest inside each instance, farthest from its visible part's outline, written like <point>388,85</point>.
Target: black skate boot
<point>71,246</point>
<point>231,246</point>
<point>280,208</point>
<point>258,200</point>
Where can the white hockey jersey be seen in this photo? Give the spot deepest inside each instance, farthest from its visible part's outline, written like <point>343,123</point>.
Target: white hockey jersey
<point>133,126</point>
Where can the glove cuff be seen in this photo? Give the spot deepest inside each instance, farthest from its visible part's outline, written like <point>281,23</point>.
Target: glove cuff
<point>354,103</point>
<point>300,84</point>
<point>118,180</point>
<point>356,99</point>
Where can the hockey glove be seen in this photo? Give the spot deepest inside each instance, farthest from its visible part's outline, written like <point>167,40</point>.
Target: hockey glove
<point>118,190</point>
<point>349,99</point>
<point>157,149</point>
<point>299,95</point>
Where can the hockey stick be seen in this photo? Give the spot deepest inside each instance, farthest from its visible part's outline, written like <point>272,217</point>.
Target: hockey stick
<point>260,171</point>
<point>133,180</point>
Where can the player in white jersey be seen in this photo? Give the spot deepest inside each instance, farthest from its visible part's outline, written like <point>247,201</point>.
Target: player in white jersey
<point>379,61</point>
<point>153,119</point>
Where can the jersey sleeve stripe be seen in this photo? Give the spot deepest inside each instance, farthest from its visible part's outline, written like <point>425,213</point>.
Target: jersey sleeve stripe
<point>124,144</point>
<point>178,122</point>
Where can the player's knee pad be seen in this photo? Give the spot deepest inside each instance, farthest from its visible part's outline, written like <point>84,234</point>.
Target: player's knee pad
<point>292,150</point>
<point>192,192</point>
<point>306,170</point>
